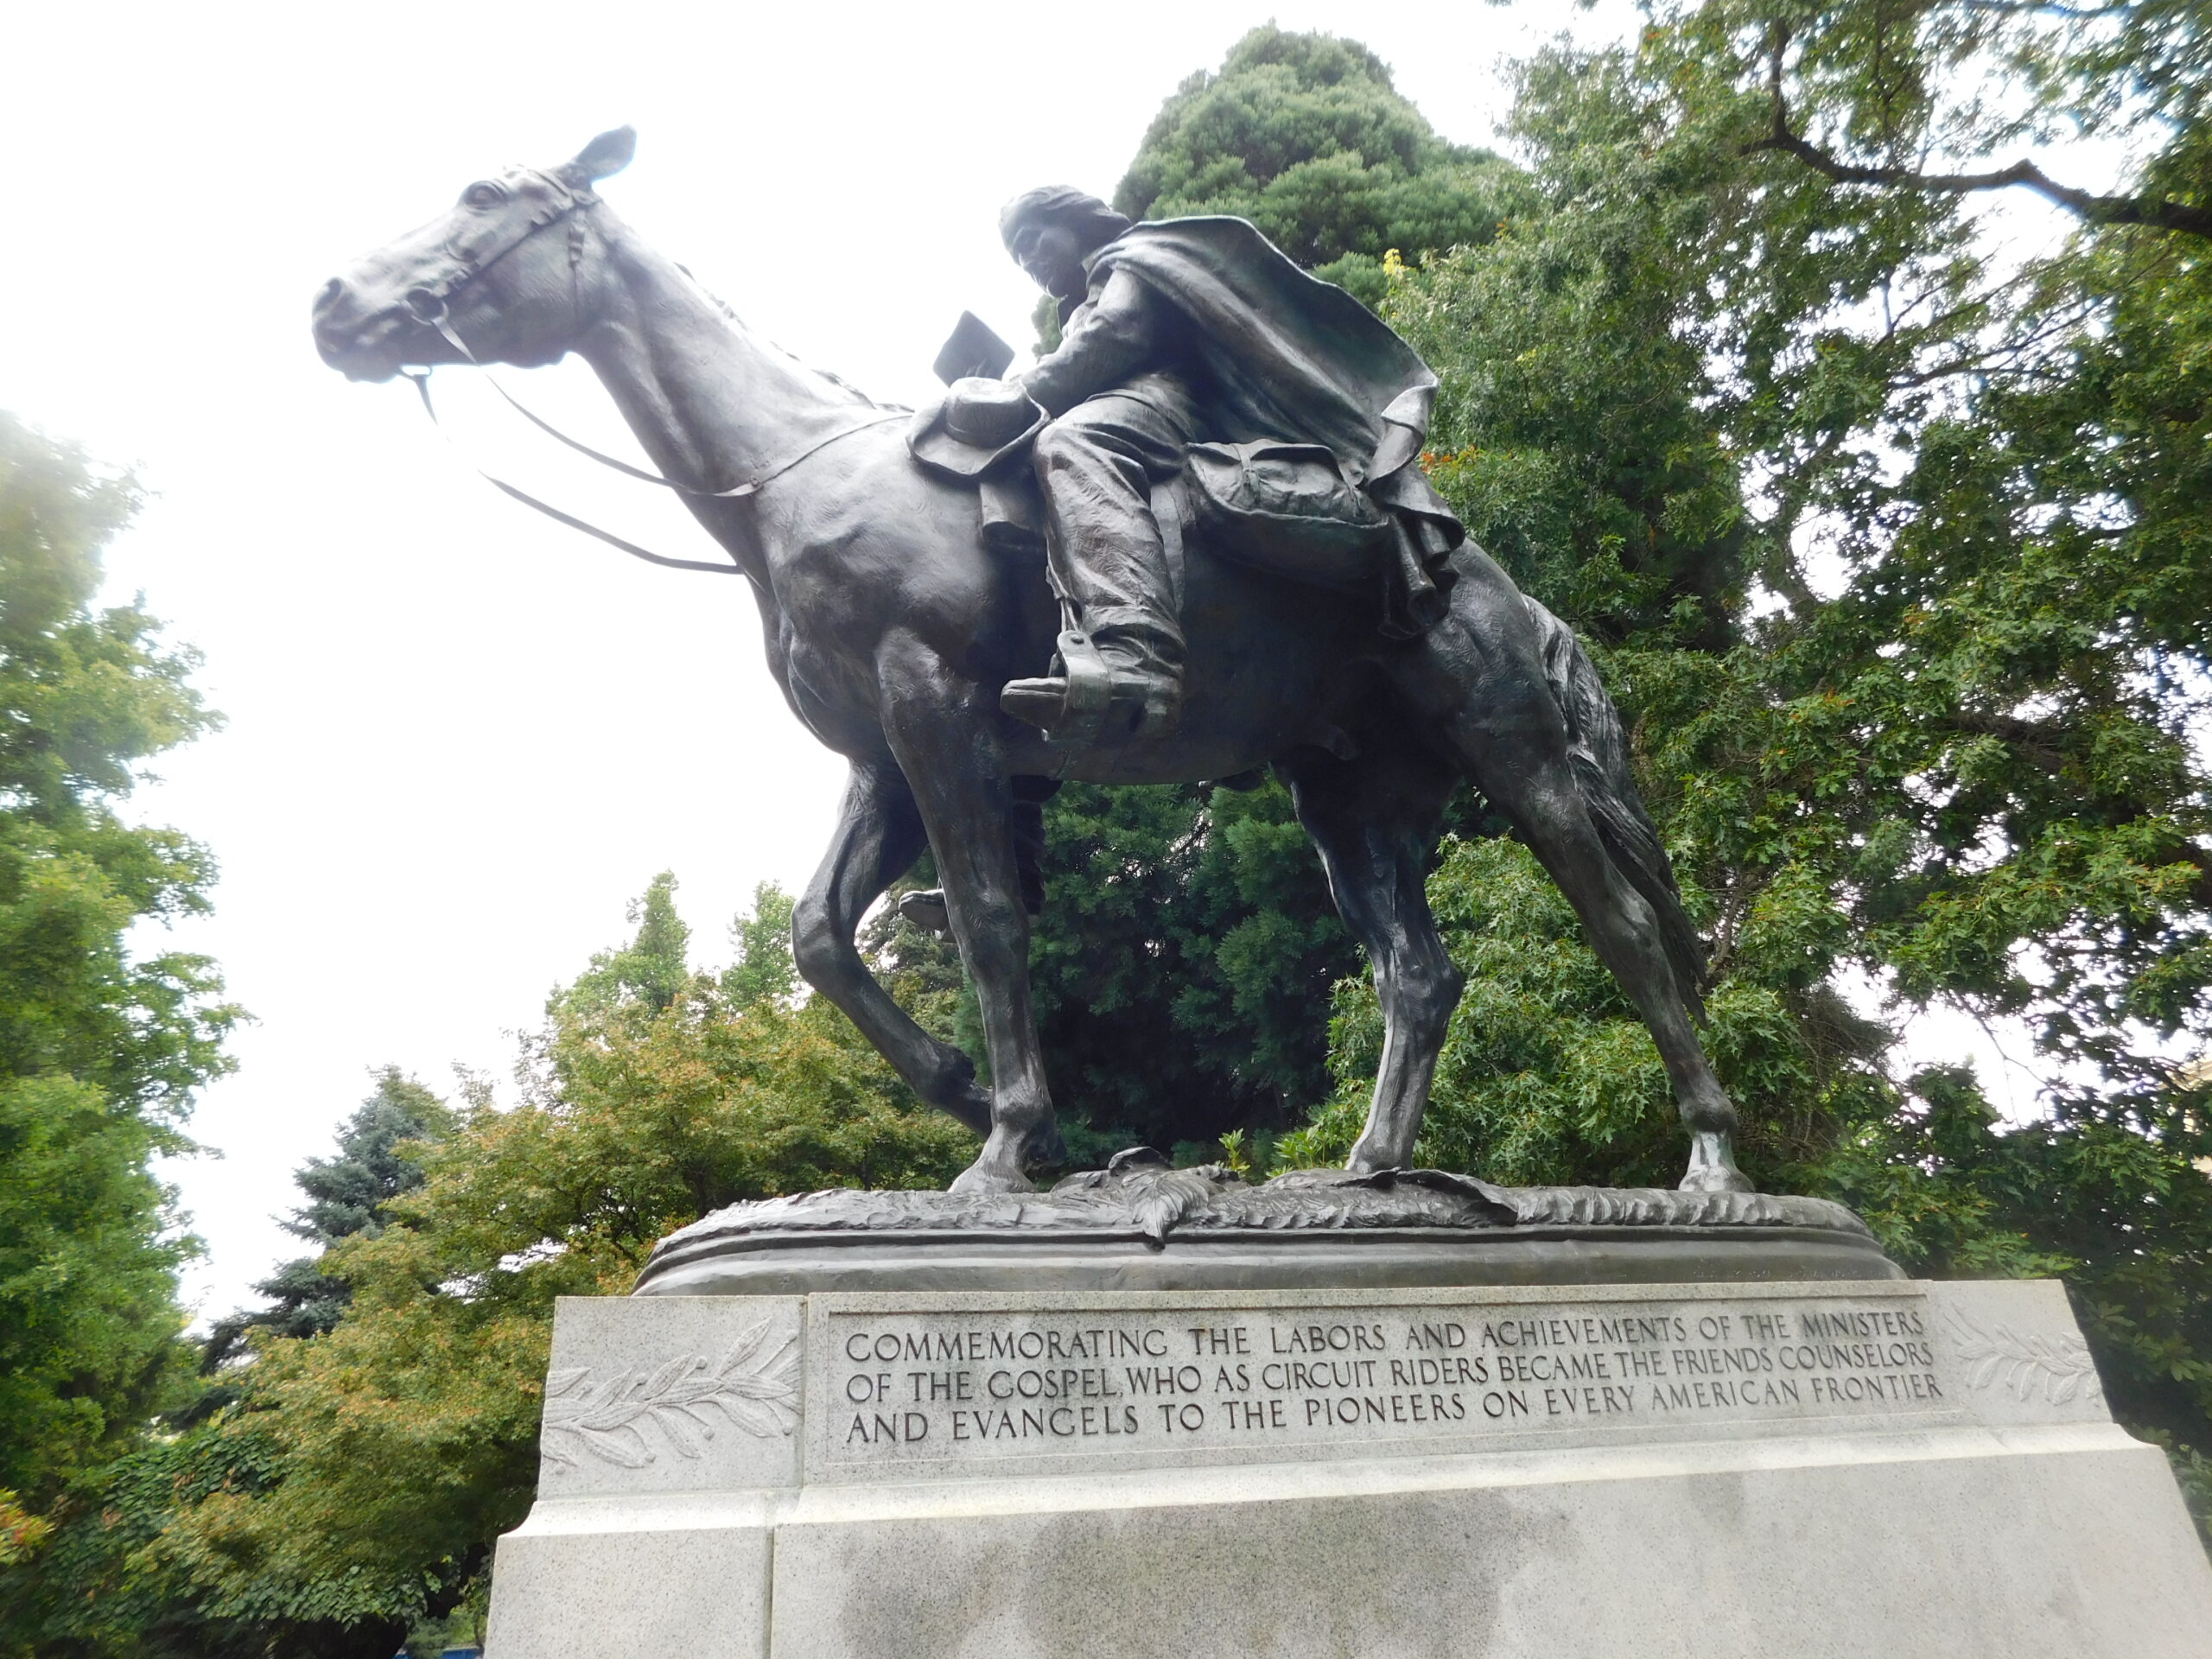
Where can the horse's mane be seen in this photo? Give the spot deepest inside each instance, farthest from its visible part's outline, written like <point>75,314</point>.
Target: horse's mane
<point>852,392</point>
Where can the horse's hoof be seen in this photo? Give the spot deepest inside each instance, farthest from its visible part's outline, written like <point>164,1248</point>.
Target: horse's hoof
<point>981,1180</point>
<point>1370,1160</point>
<point>1714,1179</point>
<point>1713,1165</point>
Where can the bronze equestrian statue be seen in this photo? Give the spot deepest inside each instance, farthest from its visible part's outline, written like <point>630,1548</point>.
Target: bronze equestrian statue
<point>1217,472</point>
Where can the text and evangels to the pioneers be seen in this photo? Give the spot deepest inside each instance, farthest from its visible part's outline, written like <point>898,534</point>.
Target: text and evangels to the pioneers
<point>958,1384</point>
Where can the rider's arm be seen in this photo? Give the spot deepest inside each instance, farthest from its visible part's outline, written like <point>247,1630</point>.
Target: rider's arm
<point>1111,338</point>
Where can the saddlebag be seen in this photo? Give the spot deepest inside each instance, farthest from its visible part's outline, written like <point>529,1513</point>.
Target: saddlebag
<point>1288,509</point>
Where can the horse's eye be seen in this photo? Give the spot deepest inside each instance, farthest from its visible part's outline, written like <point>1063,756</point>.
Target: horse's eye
<point>485,194</point>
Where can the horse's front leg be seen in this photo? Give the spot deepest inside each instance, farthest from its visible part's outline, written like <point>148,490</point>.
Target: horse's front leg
<point>878,837</point>
<point>945,737</point>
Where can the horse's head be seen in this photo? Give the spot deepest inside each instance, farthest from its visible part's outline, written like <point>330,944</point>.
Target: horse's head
<point>502,268</point>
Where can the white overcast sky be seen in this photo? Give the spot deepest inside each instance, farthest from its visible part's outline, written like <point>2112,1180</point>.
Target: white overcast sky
<point>461,737</point>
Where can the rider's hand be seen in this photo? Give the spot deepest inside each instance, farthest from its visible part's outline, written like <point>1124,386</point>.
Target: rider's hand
<point>988,413</point>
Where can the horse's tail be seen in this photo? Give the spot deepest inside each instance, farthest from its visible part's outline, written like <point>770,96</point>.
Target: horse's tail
<point>1598,749</point>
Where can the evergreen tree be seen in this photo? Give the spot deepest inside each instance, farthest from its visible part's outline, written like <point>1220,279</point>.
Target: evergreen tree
<point>1182,965</point>
<point>1304,134</point>
<point>347,1194</point>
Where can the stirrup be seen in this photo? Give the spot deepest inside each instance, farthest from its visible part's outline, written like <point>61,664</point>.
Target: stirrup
<point>1089,705</point>
<point>1089,694</point>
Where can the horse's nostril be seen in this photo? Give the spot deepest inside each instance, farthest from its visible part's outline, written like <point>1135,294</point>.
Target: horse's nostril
<point>425,304</point>
<point>333,291</point>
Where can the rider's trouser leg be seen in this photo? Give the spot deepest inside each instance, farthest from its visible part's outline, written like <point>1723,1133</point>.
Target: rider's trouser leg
<point>1096,465</point>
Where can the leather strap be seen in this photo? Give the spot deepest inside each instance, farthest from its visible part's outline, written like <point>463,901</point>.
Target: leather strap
<point>444,324</point>
<point>467,265</point>
<point>421,382</point>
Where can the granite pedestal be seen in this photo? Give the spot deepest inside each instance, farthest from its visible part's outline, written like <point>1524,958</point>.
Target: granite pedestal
<point>1838,1466</point>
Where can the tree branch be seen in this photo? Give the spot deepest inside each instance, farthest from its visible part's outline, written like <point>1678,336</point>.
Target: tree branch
<point>2096,209</point>
<point>2028,734</point>
<point>2034,742</point>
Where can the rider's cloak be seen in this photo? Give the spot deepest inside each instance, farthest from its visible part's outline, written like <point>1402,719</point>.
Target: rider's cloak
<point>1289,357</point>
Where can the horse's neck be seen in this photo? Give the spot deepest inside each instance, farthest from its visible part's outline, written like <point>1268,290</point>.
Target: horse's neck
<point>713,405</point>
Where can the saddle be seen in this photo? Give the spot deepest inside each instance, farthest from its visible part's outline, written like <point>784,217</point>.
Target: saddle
<point>1285,510</point>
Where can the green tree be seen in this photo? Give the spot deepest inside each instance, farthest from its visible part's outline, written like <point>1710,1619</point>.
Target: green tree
<point>100,1050</point>
<point>1304,134</point>
<point>108,1583</point>
<point>345,1194</point>
<point>762,970</point>
<point>1187,944</point>
<point>367,1469</point>
<point>112,1580</point>
<point>1895,550</point>
<point>642,977</point>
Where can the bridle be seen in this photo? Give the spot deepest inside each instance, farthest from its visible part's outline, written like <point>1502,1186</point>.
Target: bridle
<point>468,256</point>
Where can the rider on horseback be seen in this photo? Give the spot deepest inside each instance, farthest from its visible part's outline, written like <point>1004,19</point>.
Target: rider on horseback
<point>1175,333</point>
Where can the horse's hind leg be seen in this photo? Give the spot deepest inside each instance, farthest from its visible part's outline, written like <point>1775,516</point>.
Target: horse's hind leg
<point>1478,676</point>
<point>1374,822</point>
<point>878,837</point>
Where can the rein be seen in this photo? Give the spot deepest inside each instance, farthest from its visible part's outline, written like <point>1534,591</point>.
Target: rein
<point>467,265</point>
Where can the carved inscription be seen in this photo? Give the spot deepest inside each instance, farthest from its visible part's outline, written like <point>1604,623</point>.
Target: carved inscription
<point>989,1383</point>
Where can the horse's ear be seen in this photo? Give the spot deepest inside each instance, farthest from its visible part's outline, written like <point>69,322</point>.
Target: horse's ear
<point>609,153</point>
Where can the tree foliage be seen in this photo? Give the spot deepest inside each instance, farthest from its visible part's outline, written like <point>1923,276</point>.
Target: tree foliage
<point>1895,545</point>
<point>1304,134</point>
<point>348,1488</point>
<point>345,1194</point>
<point>1186,940</point>
<point>100,1050</point>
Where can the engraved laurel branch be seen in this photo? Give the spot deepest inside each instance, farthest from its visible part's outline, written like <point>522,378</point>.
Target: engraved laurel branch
<point>2061,1363</point>
<point>755,1387</point>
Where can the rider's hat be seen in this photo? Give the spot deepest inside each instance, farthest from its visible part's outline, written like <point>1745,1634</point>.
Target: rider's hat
<point>961,451</point>
<point>1094,223</point>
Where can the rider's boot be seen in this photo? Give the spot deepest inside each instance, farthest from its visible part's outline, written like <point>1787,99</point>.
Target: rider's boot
<point>1121,683</point>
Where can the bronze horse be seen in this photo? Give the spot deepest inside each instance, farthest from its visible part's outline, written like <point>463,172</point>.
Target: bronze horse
<point>891,630</point>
